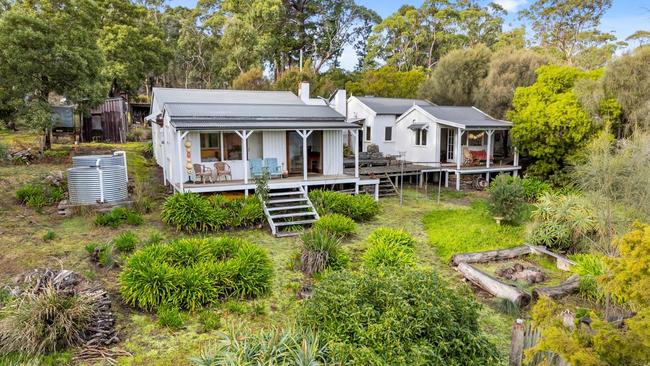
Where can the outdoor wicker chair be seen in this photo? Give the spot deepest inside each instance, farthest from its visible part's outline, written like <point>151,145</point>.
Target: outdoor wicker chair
<point>201,172</point>
<point>222,170</point>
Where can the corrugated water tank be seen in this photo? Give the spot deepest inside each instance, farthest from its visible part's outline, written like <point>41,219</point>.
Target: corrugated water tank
<point>98,179</point>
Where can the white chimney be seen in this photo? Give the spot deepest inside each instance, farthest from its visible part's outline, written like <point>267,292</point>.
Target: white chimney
<point>303,92</point>
<point>339,102</point>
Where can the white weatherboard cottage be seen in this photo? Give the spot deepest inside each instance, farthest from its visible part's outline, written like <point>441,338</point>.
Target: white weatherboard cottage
<point>459,140</point>
<point>300,140</point>
<point>379,115</point>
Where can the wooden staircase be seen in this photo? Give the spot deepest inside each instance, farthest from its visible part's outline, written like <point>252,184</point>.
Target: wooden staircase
<point>386,186</point>
<point>287,209</point>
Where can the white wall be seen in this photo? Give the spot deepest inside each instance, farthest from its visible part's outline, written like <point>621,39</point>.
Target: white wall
<point>356,109</point>
<point>332,152</point>
<point>405,139</point>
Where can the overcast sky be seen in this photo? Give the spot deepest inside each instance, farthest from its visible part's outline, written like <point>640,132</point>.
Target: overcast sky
<point>624,18</point>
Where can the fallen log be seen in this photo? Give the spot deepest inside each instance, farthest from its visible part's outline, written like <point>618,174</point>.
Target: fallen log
<point>491,255</point>
<point>494,286</point>
<point>569,286</point>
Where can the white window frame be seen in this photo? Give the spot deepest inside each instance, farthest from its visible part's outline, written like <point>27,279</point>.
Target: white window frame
<point>418,136</point>
<point>368,133</point>
<point>387,128</point>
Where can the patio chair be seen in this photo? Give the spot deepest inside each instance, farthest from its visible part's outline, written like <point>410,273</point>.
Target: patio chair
<point>272,166</point>
<point>223,170</point>
<point>257,168</point>
<point>202,172</point>
<point>469,158</point>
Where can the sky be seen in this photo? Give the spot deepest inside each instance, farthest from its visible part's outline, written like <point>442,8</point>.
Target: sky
<point>622,19</point>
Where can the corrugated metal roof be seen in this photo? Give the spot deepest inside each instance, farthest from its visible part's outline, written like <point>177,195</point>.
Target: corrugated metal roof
<point>394,106</point>
<point>470,117</point>
<point>252,111</point>
<point>179,95</point>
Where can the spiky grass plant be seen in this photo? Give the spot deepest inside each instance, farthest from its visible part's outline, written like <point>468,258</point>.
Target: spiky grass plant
<point>387,254</point>
<point>46,321</point>
<point>126,242</point>
<point>187,212</point>
<point>339,225</point>
<point>390,235</point>
<point>320,249</point>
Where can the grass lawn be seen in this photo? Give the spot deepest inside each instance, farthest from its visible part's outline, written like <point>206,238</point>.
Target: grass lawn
<point>22,248</point>
<point>454,230</point>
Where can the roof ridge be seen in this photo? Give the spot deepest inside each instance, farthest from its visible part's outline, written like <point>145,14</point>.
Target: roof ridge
<point>225,90</point>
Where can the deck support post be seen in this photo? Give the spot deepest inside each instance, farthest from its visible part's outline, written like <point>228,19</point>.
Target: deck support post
<point>447,179</point>
<point>181,165</point>
<point>355,135</point>
<point>377,192</point>
<point>516,161</point>
<point>458,181</point>
<point>244,135</point>
<point>304,134</point>
<point>488,156</point>
<point>459,150</point>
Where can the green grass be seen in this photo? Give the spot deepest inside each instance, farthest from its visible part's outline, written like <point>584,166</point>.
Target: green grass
<point>458,230</point>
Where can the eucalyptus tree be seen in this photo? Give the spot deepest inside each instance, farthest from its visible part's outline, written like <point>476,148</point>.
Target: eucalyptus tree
<point>46,47</point>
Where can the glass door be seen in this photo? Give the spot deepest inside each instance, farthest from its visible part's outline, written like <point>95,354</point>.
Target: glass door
<point>294,152</point>
<point>451,134</point>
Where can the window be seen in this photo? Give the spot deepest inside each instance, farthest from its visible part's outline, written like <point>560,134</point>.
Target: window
<point>368,130</point>
<point>420,137</point>
<point>388,134</point>
<point>232,146</point>
<point>473,138</point>
<point>210,147</point>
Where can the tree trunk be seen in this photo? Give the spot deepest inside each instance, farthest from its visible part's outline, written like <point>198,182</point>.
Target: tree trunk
<point>491,255</point>
<point>567,287</point>
<point>47,140</point>
<point>494,286</point>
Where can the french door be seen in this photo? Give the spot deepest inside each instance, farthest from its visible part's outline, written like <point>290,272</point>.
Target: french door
<point>451,140</point>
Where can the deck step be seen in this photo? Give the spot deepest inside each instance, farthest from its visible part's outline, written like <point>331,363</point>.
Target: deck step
<point>295,214</point>
<point>287,208</point>
<point>291,223</point>
<point>288,193</point>
<point>287,200</point>
<point>283,234</point>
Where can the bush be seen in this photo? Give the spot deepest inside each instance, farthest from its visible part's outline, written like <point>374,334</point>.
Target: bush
<point>126,242</point>
<point>562,223</point>
<point>191,212</point>
<point>209,320</point>
<point>191,273</point>
<point>38,195</point>
<point>188,212</point>
<point>338,225</point>
<point>49,235</point>
<point>118,216</point>
<point>590,267</point>
<point>320,250</point>
<point>534,188</point>
<point>359,208</point>
<point>396,318</point>
<point>506,197</point>
<point>170,317</point>
<point>388,254</point>
<point>43,322</point>
<point>154,238</point>
<point>393,236</point>
<point>271,347</point>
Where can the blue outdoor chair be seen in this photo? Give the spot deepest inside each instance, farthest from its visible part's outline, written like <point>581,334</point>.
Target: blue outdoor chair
<point>257,168</point>
<point>272,166</point>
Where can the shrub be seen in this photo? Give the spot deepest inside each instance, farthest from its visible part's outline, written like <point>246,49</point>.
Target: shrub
<point>506,197</point>
<point>49,235</point>
<point>170,317</point>
<point>394,236</point>
<point>388,254</point>
<point>338,225</point>
<point>187,212</point>
<point>320,250</point>
<point>126,242</point>
<point>271,347</point>
<point>396,318</point>
<point>147,151</point>
<point>534,188</point>
<point>44,322</point>
<point>209,320</point>
<point>40,194</point>
<point>590,267</point>
<point>154,238</point>
<point>561,223</point>
<point>359,208</point>
<point>118,216</point>
<point>191,273</point>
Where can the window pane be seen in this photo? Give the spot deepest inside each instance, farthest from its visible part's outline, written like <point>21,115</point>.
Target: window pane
<point>388,134</point>
<point>232,146</point>
<point>424,136</point>
<point>417,137</point>
<point>368,133</point>
<point>210,146</point>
